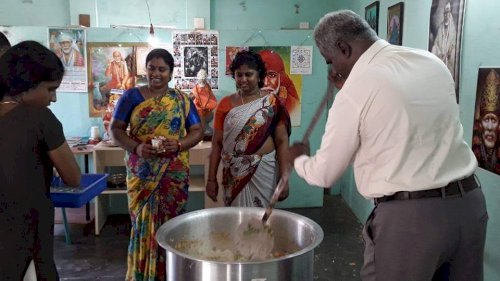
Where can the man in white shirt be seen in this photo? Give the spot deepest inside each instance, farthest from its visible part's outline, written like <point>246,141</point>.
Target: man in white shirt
<point>396,121</point>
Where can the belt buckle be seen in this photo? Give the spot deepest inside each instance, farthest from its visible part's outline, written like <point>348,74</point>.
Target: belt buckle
<point>461,188</point>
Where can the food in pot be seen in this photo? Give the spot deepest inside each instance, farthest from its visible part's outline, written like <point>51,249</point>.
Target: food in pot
<point>220,247</point>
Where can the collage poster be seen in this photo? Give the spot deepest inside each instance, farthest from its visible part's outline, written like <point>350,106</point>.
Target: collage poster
<point>193,51</point>
<point>69,45</point>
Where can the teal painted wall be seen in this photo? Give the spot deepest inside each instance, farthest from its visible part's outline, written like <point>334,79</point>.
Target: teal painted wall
<point>103,13</point>
<point>39,12</point>
<point>88,7</point>
<point>163,12</point>
<point>267,14</point>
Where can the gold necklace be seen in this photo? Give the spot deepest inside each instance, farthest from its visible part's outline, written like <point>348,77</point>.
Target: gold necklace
<point>152,94</point>
<point>241,96</point>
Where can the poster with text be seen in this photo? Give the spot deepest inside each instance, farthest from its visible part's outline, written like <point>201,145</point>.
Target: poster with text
<point>69,44</point>
<point>301,60</point>
<point>279,80</point>
<point>193,51</point>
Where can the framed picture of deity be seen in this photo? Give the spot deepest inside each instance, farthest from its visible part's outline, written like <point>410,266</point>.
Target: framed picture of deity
<point>486,128</point>
<point>395,24</point>
<point>112,69</point>
<point>371,15</point>
<point>445,34</point>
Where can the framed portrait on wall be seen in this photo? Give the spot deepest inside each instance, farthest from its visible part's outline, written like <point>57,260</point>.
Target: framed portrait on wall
<point>194,51</point>
<point>395,24</point>
<point>486,130</point>
<point>112,69</point>
<point>445,34</point>
<point>371,15</point>
<point>280,81</point>
<point>69,45</point>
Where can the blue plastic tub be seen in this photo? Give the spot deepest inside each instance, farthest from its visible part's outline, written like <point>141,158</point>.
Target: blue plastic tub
<point>74,197</point>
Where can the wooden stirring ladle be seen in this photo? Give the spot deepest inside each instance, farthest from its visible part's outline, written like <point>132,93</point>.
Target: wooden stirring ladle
<point>284,178</point>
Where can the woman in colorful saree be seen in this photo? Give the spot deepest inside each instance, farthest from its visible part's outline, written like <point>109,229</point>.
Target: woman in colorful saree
<point>251,130</point>
<point>157,176</point>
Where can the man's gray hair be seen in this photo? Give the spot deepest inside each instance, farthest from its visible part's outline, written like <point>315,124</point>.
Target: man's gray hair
<point>342,25</point>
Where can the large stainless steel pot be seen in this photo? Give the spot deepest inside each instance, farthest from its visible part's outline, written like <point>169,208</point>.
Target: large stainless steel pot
<point>295,234</point>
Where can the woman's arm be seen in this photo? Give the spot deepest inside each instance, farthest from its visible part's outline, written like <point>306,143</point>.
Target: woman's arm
<point>119,135</point>
<point>65,164</point>
<point>212,187</point>
<point>118,132</point>
<point>193,137</point>
<point>282,144</point>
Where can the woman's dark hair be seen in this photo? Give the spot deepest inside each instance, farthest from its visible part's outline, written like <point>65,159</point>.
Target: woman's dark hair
<point>25,65</point>
<point>161,54</point>
<point>251,60</point>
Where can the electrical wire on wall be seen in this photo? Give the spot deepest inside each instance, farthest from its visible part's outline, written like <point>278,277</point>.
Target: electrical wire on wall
<point>152,40</point>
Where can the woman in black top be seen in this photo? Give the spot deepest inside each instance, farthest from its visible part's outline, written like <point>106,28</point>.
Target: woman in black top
<point>31,144</point>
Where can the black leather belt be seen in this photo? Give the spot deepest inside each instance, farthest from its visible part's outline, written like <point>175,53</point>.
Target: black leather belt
<point>453,188</point>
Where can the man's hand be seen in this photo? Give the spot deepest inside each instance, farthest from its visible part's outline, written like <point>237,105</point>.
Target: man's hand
<point>296,150</point>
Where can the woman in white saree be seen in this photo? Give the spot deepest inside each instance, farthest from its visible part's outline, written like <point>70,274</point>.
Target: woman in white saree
<point>251,130</point>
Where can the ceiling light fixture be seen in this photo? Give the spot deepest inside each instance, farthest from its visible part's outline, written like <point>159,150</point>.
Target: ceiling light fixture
<point>152,40</point>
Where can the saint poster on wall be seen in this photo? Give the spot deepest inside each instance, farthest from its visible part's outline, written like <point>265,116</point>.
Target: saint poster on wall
<point>113,68</point>
<point>486,129</point>
<point>69,45</point>
<point>279,80</point>
<point>193,51</point>
<point>445,32</point>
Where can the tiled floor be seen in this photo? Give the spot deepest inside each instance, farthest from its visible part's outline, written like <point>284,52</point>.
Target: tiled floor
<point>338,258</point>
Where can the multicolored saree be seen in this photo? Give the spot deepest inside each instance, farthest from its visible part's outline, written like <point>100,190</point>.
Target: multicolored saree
<point>249,179</point>
<point>157,187</point>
